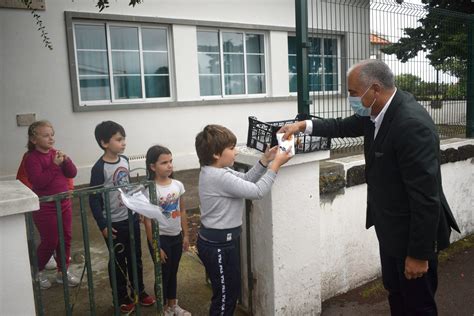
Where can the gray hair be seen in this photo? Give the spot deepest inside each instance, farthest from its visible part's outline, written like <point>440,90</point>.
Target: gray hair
<point>375,71</point>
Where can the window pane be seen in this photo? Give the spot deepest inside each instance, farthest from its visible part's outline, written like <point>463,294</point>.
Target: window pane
<point>234,84</point>
<point>125,63</point>
<point>330,83</point>
<point>256,84</point>
<point>90,36</point>
<point>291,45</point>
<point>330,65</point>
<point>293,83</point>
<point>315,82</point>
<point>207,41</point>
<point>210,85</point>
<point>315,65</point>
<point>315,46</point>
<point>122,37</point>
<point>255,64</point>
<point>92,63</point>
<point>233,42</point>
<point>154,39</point>
<point>155,63</point>
<point>209,63</point>
<point>254,43</point>
<point>127,87</point>
<point>233,64</point>
<point>157,86</point>
<point>292,64</point>
<point>94,89</point>
<point>330,46</point>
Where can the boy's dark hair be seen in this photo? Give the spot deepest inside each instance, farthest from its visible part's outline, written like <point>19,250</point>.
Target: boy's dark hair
<point>152,156</point>
<point>212,140</point>
<point>105,130</point>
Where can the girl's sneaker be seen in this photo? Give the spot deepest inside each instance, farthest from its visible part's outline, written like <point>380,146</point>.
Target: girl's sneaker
<point>72,280</point>
<point>43,281</point>
<point>51,265</point>
<point>168,312</point>
<point>178,311</point>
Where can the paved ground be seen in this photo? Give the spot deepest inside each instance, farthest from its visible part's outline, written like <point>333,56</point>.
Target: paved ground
<point>455,295</point>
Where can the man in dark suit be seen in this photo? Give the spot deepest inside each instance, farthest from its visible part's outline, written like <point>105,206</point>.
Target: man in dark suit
<point>405,199</point>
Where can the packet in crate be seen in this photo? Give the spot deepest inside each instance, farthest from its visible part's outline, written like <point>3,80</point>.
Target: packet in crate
<point>285,145</point>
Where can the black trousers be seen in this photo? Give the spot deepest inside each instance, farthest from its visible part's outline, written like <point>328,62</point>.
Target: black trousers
<point>409,297</point>
<point>222,263</point>
<point>123,259</point>
<point>173,247</point>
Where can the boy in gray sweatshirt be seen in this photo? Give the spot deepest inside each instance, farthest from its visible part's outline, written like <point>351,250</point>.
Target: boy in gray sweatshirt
<point>222,193</point>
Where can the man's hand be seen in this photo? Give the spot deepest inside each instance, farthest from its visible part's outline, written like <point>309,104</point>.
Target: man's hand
<point>415,268</point>
<point>291,129</point>
<point>105,233</point>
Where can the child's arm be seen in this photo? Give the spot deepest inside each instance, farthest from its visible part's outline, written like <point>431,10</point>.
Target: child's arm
<point>68,167</point>
<point>96,201</point>
<point>148,229</point>
<point>259,169</point>
<point>184,225</point>
<point>233,186</point>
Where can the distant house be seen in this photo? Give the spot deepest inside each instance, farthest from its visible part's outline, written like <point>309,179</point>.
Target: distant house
<point>376,43</point>
<point>164,69</point>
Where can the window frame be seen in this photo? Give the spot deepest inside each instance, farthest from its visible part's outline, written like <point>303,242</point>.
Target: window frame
<point>221,63</point>
<point>340,75</point>
<point>113,100</point>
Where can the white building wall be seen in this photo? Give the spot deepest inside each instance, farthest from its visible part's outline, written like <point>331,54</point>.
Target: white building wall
<point>36,80</point>
<point>350,253</point>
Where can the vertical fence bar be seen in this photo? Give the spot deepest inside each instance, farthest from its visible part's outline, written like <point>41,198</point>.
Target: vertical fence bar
<point>30,235</point>
<point>87,254</point>
<point>62,248</point>
<point>110,243</point>
<point>301,8</point>
<point>136,289</point>
<point>470,79</point>
<point>156,254</point>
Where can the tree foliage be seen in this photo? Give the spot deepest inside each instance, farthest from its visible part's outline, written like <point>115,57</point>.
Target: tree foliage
<point>442,34</point>
<point>423,90</point>
<point>103,4</point>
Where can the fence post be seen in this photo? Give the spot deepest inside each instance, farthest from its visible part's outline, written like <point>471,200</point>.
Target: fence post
<point>301,8</point>
<point>470,79</point>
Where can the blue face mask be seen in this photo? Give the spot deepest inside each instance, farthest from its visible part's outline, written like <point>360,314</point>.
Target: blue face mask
<point>358,107</point>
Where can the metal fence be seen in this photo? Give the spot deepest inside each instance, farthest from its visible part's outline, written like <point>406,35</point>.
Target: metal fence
<point>343,32</point>
<point>70,296</point>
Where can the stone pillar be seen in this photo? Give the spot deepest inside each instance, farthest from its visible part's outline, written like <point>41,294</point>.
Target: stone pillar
<point>285,234</point>
<point>16,289</point>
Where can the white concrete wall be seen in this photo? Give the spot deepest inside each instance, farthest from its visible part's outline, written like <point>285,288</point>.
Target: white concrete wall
<point>16,290</point>
<point>349,253</point>
<point>34,79</point>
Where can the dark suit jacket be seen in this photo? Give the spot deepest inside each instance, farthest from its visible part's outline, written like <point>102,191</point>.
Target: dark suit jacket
<point>405,199</point>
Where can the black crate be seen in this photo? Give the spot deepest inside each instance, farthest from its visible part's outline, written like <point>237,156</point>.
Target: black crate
<point>262,134</point>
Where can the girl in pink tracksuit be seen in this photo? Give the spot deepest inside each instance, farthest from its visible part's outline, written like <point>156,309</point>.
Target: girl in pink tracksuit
<point>48,172</point>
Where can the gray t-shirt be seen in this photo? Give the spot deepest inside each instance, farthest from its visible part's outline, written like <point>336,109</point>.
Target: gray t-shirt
<point>222,192</point>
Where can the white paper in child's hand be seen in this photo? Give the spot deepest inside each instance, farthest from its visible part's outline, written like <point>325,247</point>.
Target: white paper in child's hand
<point>285,145</point>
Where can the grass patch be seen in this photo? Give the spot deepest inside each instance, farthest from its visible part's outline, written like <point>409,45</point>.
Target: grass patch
<point>456,247</point>
<point>373,289</point>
